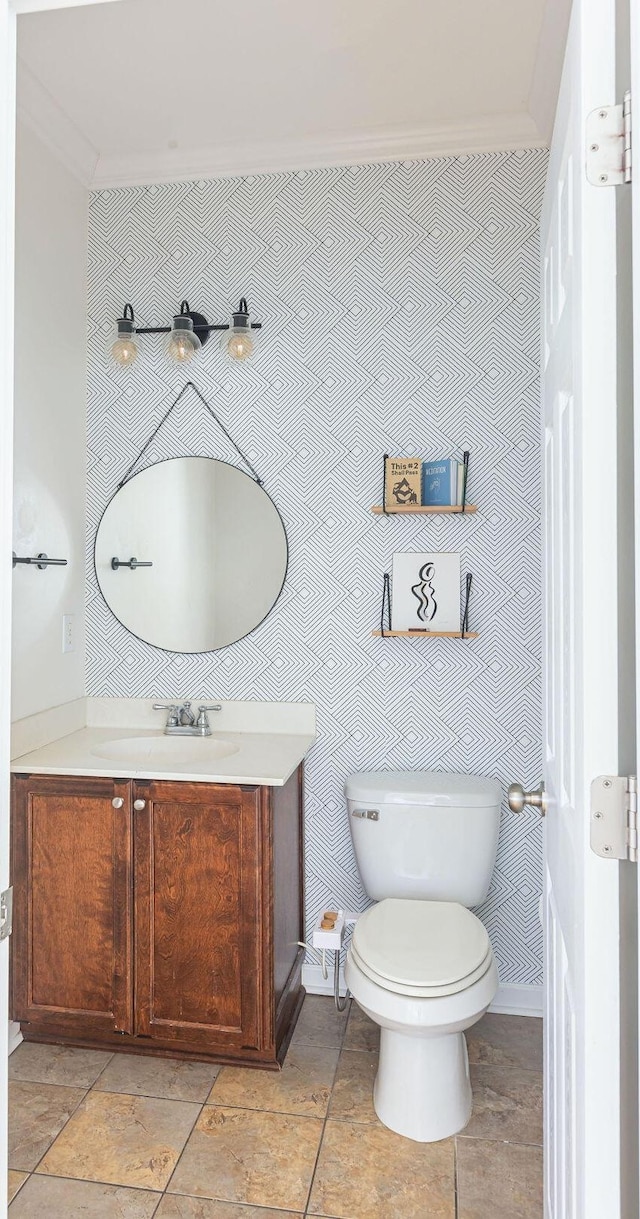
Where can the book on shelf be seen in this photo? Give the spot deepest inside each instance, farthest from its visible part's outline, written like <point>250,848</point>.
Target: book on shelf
<point>402,482</point>
<point>443,483</point>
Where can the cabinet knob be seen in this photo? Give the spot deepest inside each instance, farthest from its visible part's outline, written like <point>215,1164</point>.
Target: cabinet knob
<point>139,804</point>
<point>117,802</point>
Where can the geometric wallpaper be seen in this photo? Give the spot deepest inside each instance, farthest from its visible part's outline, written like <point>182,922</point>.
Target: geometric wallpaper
<point>399,305</point>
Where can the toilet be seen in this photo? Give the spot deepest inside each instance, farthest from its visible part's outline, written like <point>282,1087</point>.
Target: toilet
<point>420,963</point>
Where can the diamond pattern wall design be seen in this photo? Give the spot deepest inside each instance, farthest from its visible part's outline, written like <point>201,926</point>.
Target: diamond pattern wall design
<point>400,312</point>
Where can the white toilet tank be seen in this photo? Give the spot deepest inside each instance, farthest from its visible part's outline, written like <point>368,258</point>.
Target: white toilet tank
<point>424,834</point>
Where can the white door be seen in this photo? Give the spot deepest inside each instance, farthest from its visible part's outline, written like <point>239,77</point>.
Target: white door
<point>581,689</point>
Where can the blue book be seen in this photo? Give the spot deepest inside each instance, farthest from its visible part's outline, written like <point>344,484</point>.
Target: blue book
<point>440,483</point>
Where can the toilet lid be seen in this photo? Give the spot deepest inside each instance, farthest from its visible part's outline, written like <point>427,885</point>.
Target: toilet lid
<point>420,947</point>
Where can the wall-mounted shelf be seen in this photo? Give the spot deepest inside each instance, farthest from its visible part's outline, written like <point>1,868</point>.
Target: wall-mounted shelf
<point>385,509</point>
<point>425,634</point>
<point>386,632</point>
<point>406,510</point>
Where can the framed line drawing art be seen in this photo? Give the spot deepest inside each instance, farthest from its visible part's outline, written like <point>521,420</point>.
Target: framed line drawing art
<point>425,591</point>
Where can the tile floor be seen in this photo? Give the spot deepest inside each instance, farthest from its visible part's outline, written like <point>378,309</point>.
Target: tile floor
<point>101,1136</point>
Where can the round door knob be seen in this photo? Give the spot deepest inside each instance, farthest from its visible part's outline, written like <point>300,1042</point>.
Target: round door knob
<point>138,805</point>
<point>117,802</point>
<point>519,798</point>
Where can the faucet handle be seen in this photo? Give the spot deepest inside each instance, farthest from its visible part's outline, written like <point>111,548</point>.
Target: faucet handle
<point>172,718</point>
<point>202,721</point>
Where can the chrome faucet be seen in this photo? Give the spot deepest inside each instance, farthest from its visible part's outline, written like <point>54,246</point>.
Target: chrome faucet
<point>186,718</point>
<point>182,722</point>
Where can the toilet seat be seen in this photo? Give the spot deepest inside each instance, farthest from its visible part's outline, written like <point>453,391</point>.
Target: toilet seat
<point>419,948</point>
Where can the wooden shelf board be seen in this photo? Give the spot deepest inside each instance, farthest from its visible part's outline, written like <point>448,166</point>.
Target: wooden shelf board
<point>426,634</point>
<point>404,510</point>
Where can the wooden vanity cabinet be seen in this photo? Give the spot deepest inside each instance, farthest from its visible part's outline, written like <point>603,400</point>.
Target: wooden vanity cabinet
<point>200,950</point>
<point>71,948</point>
<point>157,917</point>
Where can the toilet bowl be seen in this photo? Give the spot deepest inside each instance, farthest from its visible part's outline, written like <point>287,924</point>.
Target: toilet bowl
<point>420,963</point>
<point>424,971</point>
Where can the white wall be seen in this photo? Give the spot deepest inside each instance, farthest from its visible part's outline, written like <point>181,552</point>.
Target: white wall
<point>50,431</point>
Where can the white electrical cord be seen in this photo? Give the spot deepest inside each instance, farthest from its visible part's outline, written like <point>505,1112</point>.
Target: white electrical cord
<point>310,948</point>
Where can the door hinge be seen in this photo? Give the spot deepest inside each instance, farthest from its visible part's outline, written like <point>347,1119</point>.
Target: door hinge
<point>614,817</point>
<point>6,913</point>
<point>608,135</point>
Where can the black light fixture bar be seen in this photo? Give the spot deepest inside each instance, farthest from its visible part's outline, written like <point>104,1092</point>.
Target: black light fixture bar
<point>209,326</point>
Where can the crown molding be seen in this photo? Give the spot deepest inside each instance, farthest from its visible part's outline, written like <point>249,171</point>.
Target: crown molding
<point>38,110</point>
<point>105,171</point>
<point>498,133</point>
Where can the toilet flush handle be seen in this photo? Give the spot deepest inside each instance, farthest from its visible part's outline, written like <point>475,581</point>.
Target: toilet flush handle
<point>519,798</point>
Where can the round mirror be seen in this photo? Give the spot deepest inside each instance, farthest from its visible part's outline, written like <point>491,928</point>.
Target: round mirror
<point>191,554</point>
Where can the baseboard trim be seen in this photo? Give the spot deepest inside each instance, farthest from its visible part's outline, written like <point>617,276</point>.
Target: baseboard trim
<point>315,984</point>
<point>510,1000</point>
<point>518,1001</point>
<point>15,1036</point>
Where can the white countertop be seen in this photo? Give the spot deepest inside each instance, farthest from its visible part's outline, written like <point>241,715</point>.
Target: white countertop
<point>255,757</point>
<point>261,758</point>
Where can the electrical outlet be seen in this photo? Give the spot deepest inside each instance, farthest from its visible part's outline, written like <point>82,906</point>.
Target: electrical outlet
<point>68,633</point>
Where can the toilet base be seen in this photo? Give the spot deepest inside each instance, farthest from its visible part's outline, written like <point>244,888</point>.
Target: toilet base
<point>422,1089</point>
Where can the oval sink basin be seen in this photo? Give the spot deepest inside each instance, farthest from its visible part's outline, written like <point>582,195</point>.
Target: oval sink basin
<point>169,750</point>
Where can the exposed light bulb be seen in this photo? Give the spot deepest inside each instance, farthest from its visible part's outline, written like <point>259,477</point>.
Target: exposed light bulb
<point>239,341</point>
<point>240,345</point>
<point>183,343</point>
<point>181,346</point>
<point>125,349</point>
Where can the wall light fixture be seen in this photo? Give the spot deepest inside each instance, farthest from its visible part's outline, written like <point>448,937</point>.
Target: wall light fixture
<point>239,342</point>
<point>187,334</point>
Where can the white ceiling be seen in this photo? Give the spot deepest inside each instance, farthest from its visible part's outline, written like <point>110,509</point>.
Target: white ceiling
<point>151,90</point>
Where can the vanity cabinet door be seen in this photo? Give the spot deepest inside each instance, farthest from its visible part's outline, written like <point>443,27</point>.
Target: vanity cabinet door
<point>201,911</point>
<point>72,877</point>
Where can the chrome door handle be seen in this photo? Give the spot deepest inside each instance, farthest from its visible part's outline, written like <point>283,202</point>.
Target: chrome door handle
<point>139,805</point>
<point>519,798</point>
<point>117,802</point>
